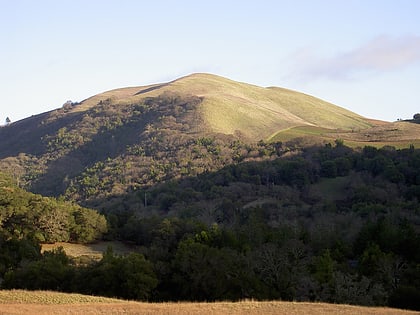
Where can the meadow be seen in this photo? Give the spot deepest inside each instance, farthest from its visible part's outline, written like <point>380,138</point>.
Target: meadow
<point>46,302</point>
<point>93,251</point>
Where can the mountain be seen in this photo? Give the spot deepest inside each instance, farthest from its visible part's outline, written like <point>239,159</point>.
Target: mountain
<point>231,107</point>
<point>130,138</point>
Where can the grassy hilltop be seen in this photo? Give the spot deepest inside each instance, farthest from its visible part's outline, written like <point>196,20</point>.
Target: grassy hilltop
<point>255,112</point>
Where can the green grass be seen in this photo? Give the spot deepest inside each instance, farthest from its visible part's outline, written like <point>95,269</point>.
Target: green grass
<point>259,112</point>
<point>300,131</point>
<point>398,135</point>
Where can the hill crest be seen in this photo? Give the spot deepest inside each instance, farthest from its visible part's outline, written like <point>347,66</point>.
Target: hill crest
<point>231,107</point>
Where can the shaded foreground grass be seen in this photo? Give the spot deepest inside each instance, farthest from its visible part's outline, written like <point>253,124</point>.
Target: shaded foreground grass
<point>42,302</point>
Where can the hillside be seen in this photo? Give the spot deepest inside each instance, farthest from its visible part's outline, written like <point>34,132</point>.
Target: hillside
<point>197,123</point>
<point>221,105</point>
<point>231,107</point>
<point>132,138</point>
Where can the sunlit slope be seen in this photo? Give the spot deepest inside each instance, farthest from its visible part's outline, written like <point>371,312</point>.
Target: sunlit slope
<point>247,110</point>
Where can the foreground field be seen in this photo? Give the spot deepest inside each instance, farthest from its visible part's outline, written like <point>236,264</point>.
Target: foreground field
<point>41,302</point>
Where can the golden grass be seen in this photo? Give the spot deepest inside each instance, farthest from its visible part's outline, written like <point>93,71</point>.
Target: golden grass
<point>42,302</point>
<point>49,297</point>
<point>94,250</point>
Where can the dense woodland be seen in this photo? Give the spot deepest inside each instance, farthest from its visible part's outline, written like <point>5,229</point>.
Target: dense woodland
<point>319,224</point>
<point>45,219</point>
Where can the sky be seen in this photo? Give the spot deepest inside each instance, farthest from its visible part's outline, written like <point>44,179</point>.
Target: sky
<point>361,55</point>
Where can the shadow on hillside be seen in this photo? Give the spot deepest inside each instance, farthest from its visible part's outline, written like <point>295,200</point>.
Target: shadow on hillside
<point>104,145</point>
<point>252,180</point>
<point>150,89</point>
<point>28,133</point>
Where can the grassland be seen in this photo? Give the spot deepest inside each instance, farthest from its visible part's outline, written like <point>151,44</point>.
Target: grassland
<point>399,135</point>
<point>42,303</point>
<point>93,251</point>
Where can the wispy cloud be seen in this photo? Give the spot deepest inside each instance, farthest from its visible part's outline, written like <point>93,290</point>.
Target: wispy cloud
<point>381,54</point>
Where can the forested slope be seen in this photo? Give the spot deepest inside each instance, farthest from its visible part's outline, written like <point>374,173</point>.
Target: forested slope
<point>326,224</point>
<point>214,213</point>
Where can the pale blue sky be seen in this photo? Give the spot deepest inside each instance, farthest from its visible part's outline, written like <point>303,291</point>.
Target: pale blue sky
<point>361,55</point>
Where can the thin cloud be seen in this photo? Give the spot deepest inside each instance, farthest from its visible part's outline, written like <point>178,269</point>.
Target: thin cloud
<point>382,54</point>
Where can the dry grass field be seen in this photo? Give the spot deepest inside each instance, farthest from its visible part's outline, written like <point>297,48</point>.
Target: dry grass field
<point>43,303</point>
<point>94,250</point>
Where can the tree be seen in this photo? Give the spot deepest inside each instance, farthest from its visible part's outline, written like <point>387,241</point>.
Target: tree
<point>88,225</point>
<point>15,251</point>
<point>280,267</point>
<point>51,272</point>
<point>323,268</point>
<point>416,116</point>
<point>129,277</point>
<point>138,278</point>
<point>206,273</point>
<point>8,121</point>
